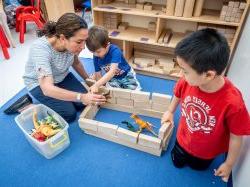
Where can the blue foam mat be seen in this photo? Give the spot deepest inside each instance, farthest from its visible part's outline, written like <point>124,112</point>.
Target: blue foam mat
<point>90,161</point>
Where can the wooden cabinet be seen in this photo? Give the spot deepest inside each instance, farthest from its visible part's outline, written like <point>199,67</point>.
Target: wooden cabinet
<point>172,20</point>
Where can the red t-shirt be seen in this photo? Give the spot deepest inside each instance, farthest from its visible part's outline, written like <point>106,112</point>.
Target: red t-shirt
<point>208,118</point>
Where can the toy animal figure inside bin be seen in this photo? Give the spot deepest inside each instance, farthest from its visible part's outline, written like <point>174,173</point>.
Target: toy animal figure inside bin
<point>53,138</point>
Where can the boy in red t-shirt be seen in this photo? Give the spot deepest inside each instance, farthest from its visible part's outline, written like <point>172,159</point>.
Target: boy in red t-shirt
<point>214,117</point>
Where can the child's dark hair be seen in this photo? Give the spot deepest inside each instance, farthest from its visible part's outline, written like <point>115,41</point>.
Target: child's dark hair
<point>67,25</point>
<point>204,50</point>
<point>98,38</point>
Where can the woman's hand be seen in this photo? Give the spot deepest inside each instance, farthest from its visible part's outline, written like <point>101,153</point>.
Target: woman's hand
<point>90,98</point>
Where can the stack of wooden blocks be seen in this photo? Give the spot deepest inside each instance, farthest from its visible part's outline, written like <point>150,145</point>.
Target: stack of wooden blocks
<point>132,102</point>
<point>144,62</point>
<point>144,6</point>
<point>233,11</point>
<point>228,32</point>
<point>184,8</point>
<point>111,20</point>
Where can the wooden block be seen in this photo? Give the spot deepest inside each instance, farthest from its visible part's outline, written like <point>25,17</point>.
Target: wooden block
<point>228,14</point>
<point>123,26</point>
<point>167,138</point>
<point>165,127</point>
<point>235,10</point>
<point>179,7</point>
<point>148,7</point>
<point>140,5</point>
<point>149,141</point>
<point>121,93</point>
<point>144,62</point>
<point>232,19</point>
<point>131,1</point>
<point>142,104</point>
<point>188,8</point>
<point>150,113</point>
<point>111,100</point>
<point>222,18</point>
<point>89,112</point>
<point>140,96</point>
<point>88,124</point>
<point>198,8</point>
<point>107,128</point>
<point>127,135</point>
<point>242,5</point>
<point>227,19</point>
<point>170,7</point>
<point>160,107</point>
<point>237,20</point>
<point>231,4</point>
<point>236,4</point>
<point>161,98</point>
<point>238,15</point>
<point>224,8</point>
<point>124,102</point>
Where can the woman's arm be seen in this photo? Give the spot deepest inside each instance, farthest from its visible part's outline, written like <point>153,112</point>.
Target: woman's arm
<point>79,68</point>
<point>49,89</point>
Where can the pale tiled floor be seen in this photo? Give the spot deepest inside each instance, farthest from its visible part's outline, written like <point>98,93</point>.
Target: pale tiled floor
<point>11,70</point>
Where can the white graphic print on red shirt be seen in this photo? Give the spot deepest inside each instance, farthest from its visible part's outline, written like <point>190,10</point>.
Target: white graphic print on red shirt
<point>196,113</point>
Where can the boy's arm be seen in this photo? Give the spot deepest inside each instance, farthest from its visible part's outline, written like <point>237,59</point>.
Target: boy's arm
<point>79,68</point>
<point>108,76</point>
<point>225,168</point>
<point>96,76</point>
<point>169,114</point>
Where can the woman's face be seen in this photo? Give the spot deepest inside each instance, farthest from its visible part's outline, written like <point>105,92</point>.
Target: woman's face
<point>76,43</point>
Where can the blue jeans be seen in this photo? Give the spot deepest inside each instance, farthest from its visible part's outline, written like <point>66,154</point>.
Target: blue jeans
<point>66,109</point>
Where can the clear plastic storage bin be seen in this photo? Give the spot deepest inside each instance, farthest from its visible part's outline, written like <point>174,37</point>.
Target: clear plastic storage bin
<point>54,145</point>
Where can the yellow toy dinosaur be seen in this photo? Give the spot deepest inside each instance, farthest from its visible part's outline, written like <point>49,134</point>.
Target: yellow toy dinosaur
<point>46,130</point>
<point>143,124</point>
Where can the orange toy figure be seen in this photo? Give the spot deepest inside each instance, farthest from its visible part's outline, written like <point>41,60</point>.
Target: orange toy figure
<point>143,124</point>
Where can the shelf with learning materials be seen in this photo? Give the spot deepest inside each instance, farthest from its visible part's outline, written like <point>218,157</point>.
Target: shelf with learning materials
<point>161,24</point>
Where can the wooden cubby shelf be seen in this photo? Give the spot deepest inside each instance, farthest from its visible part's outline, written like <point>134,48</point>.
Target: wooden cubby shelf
<point>150,23</point>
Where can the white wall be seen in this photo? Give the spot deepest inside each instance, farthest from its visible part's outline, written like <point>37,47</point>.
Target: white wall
<point>239,75</point>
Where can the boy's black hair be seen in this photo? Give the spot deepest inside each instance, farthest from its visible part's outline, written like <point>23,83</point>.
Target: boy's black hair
<point>98,38</point>
<point>204,50</point>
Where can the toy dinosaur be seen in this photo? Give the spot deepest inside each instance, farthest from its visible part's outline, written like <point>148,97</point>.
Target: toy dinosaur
<point>143,124</point>
<point>43,128</point>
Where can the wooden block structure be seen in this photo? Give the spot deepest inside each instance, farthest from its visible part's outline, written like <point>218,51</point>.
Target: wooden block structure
<point>228,32</point>
<point>170,9</point>
<point>233,11</point>
<point>111,20</point>
<point>179,7</point>
<point>140,6</point>
<point>142,142</point>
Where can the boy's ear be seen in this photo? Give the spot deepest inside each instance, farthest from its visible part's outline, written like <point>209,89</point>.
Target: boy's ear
<point>210,74</point>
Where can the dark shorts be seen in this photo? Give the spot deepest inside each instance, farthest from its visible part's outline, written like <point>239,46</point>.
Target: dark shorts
<point>181,158</point>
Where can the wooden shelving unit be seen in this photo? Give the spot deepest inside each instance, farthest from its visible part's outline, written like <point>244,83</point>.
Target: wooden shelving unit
<point>137,34</point>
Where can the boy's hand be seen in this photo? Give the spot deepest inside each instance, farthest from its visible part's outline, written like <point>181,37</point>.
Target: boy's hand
<point>167,117</point>
<point>223,171</point>
<point>94,89</point>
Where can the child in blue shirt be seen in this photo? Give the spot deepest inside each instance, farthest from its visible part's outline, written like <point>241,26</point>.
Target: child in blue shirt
<point>109,58</point>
